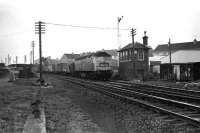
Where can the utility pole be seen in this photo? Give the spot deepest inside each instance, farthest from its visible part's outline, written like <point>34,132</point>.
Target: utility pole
<point>24,59</point>
<point>33,45</point>
<point>118,34</point>
<point>31,57</point>
<point>5,60</point>
<point>16,59</point>
<point>170,59</point>
<point>40,29</point>
<point>133,33</point>
<point>8,59</point>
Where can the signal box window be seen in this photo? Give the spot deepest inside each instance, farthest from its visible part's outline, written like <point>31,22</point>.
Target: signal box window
<point>140,55</point>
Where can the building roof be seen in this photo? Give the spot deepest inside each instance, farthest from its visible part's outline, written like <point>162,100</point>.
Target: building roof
<point>137,46</point>
<point>112,52</point>
<point>183,56</point>
<point>72,56</point>
<point>178,46</point>
<point>96,54</point>
<point>101,54</point>
<point>156,58</point>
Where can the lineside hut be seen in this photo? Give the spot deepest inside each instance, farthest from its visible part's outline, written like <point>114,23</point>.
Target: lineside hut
<point>127,62</point>
<point>185,66</point>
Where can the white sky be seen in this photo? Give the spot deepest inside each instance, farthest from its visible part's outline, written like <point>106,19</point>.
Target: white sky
<point>177,19</point>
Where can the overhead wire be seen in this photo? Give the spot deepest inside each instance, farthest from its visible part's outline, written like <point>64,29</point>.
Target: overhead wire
<point>86,27</point>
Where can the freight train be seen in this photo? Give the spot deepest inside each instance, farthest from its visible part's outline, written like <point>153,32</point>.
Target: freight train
<point>93,66</point>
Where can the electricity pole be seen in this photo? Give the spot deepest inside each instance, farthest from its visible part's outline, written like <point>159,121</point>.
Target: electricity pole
<point>40,29</point>
<point>16,59</point>
<point>33,45</point>
<point>133,33</point>
<point>24,59</point>
<point>8,59</point>
<point>170,59</point>
<point>31,57</point>
<point>5,60</point>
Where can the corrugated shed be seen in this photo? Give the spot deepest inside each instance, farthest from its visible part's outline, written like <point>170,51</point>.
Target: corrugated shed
<point>183,56</point>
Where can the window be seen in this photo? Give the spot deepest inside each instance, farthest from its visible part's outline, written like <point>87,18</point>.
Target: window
<point>140,54</point>
<point>104,64</point>
<point>121,55</point>
<point>130,52</point>
<point>126,54</point>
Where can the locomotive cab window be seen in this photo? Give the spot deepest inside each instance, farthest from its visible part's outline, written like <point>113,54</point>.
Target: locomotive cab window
<point>104,64</point>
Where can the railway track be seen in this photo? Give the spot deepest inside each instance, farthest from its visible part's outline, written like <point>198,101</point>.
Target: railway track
<point>176,108</point>
<point>178,94</point>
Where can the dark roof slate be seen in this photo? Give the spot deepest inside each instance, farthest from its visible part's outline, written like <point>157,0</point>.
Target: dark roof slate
<point>101,54</point>
<point>178,46</point>
<point>137,46</point>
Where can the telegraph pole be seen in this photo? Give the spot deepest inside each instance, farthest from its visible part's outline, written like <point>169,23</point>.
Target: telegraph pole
<point>31,54</point>
<point>170,58</point>
<point>8,59</point>
<point>5,60</point>
<point>16,59</point>
<point>169,45</point>
<point>24,59</point>
<point>40,29</point>
<point>33,45</point>
<point>133,33</point>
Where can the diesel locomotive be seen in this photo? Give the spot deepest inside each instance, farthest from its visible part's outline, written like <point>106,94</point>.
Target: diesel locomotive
<point>93,66</point>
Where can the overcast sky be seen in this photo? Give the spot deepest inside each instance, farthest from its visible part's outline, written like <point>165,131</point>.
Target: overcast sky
<point>162,19</point>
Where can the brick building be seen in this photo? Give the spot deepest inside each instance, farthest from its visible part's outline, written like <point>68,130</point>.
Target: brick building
<point>128,65</point>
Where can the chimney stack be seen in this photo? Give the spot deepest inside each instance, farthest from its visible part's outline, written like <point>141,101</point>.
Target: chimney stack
<point>145,38</point>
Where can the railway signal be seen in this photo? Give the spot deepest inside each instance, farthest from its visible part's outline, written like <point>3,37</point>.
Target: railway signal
<point>40,29</point>
<point>118,34</point>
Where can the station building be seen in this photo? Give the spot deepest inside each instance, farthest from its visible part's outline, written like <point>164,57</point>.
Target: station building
<point>134,64</point>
